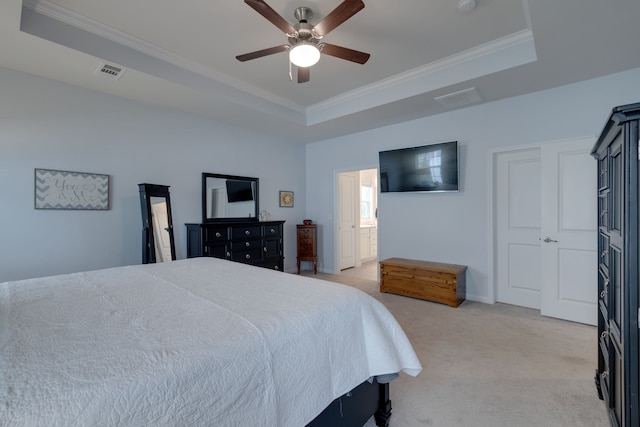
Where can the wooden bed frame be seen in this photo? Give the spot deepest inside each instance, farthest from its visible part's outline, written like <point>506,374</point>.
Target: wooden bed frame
<point>356,407</point>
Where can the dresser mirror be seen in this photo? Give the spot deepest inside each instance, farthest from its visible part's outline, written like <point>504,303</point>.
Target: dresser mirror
<point>229,198</point>
<point>158,244</point>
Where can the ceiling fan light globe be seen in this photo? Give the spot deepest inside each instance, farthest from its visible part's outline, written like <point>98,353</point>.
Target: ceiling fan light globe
<point>304,55</point>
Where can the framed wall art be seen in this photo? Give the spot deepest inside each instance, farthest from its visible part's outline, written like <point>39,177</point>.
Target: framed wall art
<point>286,199</point>
<point>68,190</point>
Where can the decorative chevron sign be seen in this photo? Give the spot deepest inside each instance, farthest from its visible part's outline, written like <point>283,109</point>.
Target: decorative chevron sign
<point>71,190</point>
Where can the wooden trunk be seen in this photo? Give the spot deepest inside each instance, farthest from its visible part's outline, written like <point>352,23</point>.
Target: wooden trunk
<point>431,281</point>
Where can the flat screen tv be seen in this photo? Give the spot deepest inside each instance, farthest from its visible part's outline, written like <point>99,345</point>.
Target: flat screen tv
<point>239,191</point>
<point>427,168</point>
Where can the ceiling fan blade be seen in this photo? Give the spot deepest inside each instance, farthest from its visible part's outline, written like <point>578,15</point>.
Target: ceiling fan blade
<point>344,53</point>
<point>272,16</point>
<point>344,11</point>
<point>303,74</point>
<point>261,53</point>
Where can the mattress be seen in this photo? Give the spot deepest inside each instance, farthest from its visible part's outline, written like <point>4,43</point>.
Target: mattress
<point>193,342</point>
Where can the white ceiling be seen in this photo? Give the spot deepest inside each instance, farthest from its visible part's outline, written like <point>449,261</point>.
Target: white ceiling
<point>181,54</point>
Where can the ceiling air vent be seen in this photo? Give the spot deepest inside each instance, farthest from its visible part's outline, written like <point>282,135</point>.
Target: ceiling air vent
<point>113,72</point>
<point>460,98</point>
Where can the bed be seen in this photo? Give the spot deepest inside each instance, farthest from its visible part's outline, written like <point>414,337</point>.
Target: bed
<point>201,341</point>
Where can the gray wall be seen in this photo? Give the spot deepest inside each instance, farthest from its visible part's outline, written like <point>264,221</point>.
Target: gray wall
<point>52,125</point>
<point>46,124</point>
<point>454,227</point>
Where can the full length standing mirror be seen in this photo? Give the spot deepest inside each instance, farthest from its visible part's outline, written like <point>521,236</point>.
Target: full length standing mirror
<point>229,198</point>
<point>157,226</point>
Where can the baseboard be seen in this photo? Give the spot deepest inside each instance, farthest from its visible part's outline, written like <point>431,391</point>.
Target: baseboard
<point>478,298</point>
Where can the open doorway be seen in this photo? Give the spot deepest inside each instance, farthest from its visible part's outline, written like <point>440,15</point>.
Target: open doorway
<point>357,219</point>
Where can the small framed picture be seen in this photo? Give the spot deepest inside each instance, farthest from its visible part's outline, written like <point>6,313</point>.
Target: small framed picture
<point>286,199</point>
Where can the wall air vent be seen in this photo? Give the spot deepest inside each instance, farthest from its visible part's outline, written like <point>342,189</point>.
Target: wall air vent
<point>460,98</point>
<point>113,72</point>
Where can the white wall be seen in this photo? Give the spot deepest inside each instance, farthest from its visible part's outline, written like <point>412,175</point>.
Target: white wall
<point>52,125</point>
<point>453,227</point>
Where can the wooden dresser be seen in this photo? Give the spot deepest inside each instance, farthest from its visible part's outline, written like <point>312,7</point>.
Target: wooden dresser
<point>307,245</point>
<point>431,281</point>
<point>256,243</point>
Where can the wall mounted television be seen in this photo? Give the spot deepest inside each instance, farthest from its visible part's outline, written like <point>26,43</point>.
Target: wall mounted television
<point>426,168</point>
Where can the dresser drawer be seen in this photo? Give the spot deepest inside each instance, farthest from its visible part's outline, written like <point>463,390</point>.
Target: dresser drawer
<point>603,209</point>
<point>306,246</point>
<point>216,234</point>
<point>306,233</point>
<point>244,232</point>
<point>272,230</point>
<point>248,256</point>
<point>243,245</point>
<point>603,172</point>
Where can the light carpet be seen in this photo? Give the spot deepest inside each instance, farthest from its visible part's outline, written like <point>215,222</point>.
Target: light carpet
<point>488,365</point>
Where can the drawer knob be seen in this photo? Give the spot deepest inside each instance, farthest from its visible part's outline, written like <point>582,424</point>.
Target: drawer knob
<point>273,230</point>
<point>603,294</point>
<point>247,256</point>
<point>218,234</point>
<point>247,244</point>
<point>228,254</point>
<point>276,268</point>
<point>604,335</point>
<point>264,249</point>
<point>605,374</point>
<point>247,232</point>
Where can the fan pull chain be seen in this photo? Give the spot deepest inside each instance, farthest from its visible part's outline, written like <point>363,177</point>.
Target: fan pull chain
<point>290,72</point>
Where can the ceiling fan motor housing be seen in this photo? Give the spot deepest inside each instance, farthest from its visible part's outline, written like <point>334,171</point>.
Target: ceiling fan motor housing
<point>303,14</point>
<point>303,28</point>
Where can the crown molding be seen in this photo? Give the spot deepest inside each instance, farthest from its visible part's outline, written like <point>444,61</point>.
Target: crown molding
<point>66,16</point>
<point>507,52</point>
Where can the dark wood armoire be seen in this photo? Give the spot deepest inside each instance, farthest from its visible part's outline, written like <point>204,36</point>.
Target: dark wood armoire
<point>618,158</point>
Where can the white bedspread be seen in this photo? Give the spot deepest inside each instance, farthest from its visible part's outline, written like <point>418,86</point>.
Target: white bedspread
<point>193,342</point>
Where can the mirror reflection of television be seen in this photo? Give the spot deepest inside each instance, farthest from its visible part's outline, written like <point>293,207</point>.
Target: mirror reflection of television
<point>239,191</point>
<point>427,168</point>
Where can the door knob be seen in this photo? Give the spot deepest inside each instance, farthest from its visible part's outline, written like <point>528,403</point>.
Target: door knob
<point>549,240</point>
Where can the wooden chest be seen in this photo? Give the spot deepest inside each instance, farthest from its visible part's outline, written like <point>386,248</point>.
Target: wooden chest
<point>431,281</point>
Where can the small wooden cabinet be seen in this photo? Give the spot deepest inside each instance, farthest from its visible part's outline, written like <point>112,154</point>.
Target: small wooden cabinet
<point>307,245</point>
<point>256,243</point>
<point>431,281</point>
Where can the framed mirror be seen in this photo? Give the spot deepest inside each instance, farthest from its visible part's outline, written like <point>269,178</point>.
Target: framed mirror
<point>158,244</point>
<point>229,198</point>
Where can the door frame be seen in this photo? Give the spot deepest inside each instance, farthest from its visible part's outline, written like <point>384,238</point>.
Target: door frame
<point>491,243</point>
<point>336,225</point>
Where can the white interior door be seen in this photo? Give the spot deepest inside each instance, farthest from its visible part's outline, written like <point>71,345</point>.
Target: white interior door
<point>517,227</point>
<point>545,229</point>
<point>347,220</point>
<point>569,231</point>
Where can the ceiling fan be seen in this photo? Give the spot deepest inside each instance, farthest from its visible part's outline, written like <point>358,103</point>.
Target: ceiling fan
<point>304,39</point>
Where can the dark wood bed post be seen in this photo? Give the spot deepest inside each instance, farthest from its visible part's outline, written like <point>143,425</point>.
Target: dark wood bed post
<point>383,414</point>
